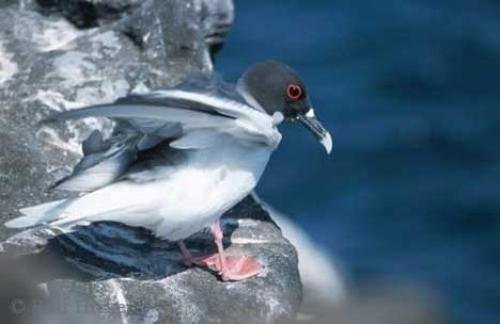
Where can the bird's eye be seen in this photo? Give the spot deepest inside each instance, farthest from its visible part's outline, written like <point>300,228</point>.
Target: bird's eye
<point>294,91</point>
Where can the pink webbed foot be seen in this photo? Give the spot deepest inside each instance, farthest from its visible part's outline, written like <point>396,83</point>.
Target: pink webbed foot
<point>231,269</point>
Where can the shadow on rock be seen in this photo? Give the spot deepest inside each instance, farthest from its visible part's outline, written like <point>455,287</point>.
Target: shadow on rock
<point>108,250</point>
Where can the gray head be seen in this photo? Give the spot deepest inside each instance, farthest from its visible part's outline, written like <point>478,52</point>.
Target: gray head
<point>277,89</point>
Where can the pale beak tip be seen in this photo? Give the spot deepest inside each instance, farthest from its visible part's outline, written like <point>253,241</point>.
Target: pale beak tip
<point>327,143</point>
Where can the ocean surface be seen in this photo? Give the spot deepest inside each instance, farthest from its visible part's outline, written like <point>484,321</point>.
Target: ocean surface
<point>411,92</point>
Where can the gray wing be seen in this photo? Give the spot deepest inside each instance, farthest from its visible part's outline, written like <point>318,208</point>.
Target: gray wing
<point>174,119</point>
<point>102,162</point>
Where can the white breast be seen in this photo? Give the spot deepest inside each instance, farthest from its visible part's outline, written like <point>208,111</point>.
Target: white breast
<point>213,181</point>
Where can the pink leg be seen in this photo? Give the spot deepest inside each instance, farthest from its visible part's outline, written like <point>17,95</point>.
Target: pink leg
<point>218,236</point>
<point>188,258</point>
<point>229,268</point>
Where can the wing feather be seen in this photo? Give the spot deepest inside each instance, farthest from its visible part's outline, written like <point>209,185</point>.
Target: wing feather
<point>99,168</point>
<point>180,118</point>
<point>189,118</point>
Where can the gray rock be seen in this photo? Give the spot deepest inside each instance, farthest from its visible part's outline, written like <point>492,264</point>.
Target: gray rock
<point>108,271</point>
<point>216,16</point>
<point>86,13</point>
<point>50,60</point>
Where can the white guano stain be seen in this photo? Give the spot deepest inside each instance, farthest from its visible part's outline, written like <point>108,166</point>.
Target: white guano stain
<point>140,88</point>
<point>244,240</point>
<point>52,137</point>
<point>107,92</point>
<point>55,35</point>
<point>276,309</point>
<point>52,99</point>
<point>109,43</point>
<point>183,301</point>
<point>56,101</point>
<point>75,67</point>
<point>118,295</point>
<point>8,68</point>
<point>152,316</point>
<point>85,96</point>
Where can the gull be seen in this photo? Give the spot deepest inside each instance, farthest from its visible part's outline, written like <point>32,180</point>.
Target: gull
<point>179,158</point>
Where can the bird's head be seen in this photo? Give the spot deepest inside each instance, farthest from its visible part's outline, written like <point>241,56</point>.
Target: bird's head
<point>277,89</point>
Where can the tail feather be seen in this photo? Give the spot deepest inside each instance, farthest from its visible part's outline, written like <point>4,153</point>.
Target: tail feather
<point>39,214</point>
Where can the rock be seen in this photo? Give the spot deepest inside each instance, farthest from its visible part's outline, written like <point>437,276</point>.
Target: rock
<point>86,13</point>
<point>51,60</point>
<point>216,16</point>
<point>125,273</point>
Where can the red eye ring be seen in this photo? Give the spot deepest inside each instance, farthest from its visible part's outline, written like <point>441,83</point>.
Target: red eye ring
<point>294,91</point>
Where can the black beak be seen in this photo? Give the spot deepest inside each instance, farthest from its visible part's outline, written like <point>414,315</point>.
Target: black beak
<point>313,124</point>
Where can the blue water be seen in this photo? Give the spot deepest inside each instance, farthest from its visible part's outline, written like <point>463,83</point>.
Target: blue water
<point>411,91</point>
